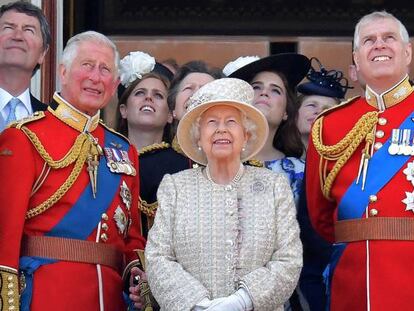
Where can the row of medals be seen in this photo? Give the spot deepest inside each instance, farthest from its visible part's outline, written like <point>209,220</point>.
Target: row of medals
<point>401,142</point>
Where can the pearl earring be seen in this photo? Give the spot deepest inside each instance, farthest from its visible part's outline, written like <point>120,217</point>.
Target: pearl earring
<point>199,148</point>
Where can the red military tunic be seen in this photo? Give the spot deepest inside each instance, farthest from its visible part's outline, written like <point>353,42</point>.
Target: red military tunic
<point>369,274</point>
<point>66,285</point>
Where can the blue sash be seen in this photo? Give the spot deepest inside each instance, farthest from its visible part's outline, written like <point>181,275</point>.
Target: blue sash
<point>84,215</point>
<point>355,200</point>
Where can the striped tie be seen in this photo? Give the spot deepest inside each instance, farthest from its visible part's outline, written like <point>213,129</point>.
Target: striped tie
<point>12,109</point>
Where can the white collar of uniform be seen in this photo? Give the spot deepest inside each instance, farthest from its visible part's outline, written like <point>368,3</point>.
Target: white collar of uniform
<point>24,98</point>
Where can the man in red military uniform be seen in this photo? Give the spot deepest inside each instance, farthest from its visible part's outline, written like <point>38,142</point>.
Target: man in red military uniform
<point>69,219</point>
<point>361,155</point>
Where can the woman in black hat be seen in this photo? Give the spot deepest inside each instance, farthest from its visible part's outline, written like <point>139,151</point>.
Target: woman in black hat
<point>274,79</point>
<point>323,90</point>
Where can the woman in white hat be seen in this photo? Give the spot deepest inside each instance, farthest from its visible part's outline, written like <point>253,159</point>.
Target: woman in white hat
<point>225,237</point>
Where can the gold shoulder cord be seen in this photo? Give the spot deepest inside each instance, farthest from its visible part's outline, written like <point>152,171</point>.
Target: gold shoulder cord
<point>343,150</point>
<point>78,154</point>
<point>156,146</point>
<point>148,209</point>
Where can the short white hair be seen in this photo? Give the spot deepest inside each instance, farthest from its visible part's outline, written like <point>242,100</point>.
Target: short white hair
<point>71,49</point>
<point>375,16</point>
<point>248,124</point>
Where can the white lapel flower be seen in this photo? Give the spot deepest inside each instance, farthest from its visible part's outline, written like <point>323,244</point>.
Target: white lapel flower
<point>134,66</point>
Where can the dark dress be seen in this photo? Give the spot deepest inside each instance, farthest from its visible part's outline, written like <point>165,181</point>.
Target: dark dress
<point>154,162</point>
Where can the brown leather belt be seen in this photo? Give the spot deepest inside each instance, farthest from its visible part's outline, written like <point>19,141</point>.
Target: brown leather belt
<point>72,250</point>
<point>375,228</point>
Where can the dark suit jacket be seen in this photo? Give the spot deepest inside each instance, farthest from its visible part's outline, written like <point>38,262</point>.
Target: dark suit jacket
<point>36,104</point>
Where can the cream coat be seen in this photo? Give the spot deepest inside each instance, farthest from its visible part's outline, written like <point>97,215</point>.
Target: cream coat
<point>210,239</point>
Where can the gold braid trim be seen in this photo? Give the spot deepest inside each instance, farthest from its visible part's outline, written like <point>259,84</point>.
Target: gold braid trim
<point>156,146</point>
<point>176,146</point>
<point>343,150</point>
<point>79,153</point>
<point>67,159</point>
<point>9,289</point>
<point>148,209</point>
<point>253,162</point>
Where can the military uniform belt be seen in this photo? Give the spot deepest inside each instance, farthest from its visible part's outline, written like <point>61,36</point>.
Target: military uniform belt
<point>375,228</point>
<point>72,250</point>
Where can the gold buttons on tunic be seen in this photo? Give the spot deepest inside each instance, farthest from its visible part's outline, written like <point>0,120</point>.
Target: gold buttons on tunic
<point>379,134</point>
<point>104,216</point>
<point>382,121</point>
<point>373,198</point>
<point>104,237</point>
<point>377,145</point>
<point>373,212</point>
<point>105,226</point>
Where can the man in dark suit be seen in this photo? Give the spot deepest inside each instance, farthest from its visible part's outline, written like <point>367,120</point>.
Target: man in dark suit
<point>24,41</point>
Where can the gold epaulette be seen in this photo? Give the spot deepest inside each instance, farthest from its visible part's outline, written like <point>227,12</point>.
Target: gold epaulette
<point>340,152</point>
<point>9,289</point>
<point>148,209</point>
<point>156,146</point>
<point>34,117</point>
<point>114,131</point>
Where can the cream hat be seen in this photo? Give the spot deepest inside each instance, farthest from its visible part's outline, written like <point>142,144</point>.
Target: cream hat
<point>227,91</point>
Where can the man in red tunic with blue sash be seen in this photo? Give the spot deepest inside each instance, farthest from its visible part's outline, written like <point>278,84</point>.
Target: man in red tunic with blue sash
<point>69,219</point>
<point>361,155</point>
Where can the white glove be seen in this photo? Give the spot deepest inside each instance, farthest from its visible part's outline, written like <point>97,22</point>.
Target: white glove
<point>207,303</point>
<point>239,301</point>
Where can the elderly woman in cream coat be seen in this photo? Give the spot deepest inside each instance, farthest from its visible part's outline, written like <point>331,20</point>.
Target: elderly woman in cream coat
<point>225,236</point>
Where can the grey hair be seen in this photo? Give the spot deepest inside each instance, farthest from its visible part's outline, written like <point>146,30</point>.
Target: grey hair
<point>71,49</point>
<point>247,123</point>
<point>375,16</point>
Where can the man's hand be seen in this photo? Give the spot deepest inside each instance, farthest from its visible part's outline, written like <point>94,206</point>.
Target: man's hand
<point>137,276</point>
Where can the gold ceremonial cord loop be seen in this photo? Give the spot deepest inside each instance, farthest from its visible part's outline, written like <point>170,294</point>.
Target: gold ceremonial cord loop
<point>65,186</point>
<point>343,150</point>
<point>79,153</point>
<point>68,159</point>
